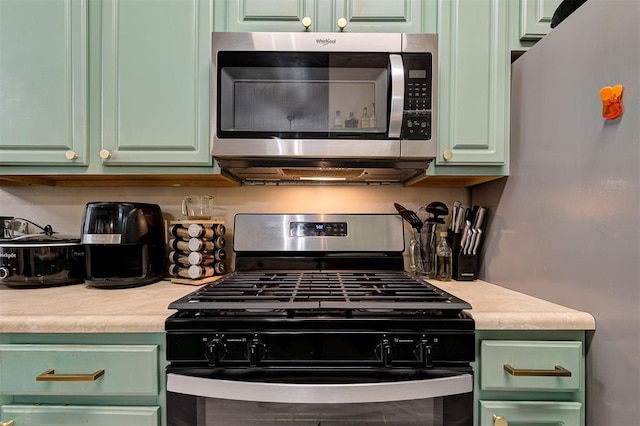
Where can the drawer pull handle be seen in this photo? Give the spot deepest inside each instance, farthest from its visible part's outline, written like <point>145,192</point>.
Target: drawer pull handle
<point>7,423</point>
<point>51,376</point>
<point>557,371</point>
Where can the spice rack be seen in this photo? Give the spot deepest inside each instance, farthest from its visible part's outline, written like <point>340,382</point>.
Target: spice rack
<point>197,251</point>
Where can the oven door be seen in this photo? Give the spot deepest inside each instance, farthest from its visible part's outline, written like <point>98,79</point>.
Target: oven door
<point>293,397</point>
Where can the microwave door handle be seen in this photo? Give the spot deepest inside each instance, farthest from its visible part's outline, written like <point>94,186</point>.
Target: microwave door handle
<point>290,393</point>
<point>397,96</point>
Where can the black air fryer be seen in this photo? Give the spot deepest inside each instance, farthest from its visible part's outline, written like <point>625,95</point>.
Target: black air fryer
<point>124,244</point>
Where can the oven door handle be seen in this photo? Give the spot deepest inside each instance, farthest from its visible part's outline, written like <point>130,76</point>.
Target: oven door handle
<point>320,393</point>
<point>397,96</point>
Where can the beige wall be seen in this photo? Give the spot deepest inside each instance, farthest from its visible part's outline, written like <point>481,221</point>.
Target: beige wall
<point>63,208</point>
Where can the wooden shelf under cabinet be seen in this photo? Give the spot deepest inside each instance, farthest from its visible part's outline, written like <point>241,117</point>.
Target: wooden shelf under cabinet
<point>185,180</point>
<point>195,180</point>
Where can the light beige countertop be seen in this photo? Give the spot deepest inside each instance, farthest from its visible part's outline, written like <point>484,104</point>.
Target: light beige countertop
<point>498,308</point>
<point>81,309</point>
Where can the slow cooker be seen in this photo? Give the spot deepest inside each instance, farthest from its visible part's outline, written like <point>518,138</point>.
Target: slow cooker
<point>36,260</point>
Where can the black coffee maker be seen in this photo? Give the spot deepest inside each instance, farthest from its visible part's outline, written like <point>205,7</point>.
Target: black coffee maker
<point>124,244</point>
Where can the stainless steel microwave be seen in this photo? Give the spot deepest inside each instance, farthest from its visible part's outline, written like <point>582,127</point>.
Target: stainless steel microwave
<point>350,107</point>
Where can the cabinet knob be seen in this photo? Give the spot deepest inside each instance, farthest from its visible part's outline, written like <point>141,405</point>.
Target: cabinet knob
<point>105,154</point>
<point>7,423</point>
<point>342,23</point>
<point>447,154</point>
<point>69,155</point>
<point>499,421</point>
<point>306,22</point>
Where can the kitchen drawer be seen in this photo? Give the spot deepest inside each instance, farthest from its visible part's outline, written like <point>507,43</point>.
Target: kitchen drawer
<point>548,413</point>
<point>128,369</point>
<point>64,415</point>
<point>530,358</point>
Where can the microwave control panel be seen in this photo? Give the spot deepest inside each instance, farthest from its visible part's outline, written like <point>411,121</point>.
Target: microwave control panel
<point>418,77</point>
<point>416,125</point>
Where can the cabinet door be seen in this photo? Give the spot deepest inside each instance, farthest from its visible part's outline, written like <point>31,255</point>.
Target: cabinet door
<point>79,370</point>
<point>265,15</point>
<point>473,82</point>
<point>553,366</point>
<point>324,15</point>
<point>548,413</point>
<point>66,415</point>
<point>390,16</point>
<point>43,82</point>
<point>155,82</point>
<point>535,18</point>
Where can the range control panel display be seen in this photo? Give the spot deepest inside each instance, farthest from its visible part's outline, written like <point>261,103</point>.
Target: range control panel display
<point>318,229</point>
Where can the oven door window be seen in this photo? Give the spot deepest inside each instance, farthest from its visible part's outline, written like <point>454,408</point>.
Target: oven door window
<point>390,398</point>
<point>292,95</point>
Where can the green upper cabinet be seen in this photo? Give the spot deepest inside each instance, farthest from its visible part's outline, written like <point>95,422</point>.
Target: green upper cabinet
<point>260,15</point>
<point>140,98</point>
<point>155,82</point>
<point>529,21</point>
<point>474,84</point>
<point>535,18</point>
<point>43,82</point>
<point>327,15</point>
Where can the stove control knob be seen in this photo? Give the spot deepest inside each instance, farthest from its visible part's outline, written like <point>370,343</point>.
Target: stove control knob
<point>423,352</point>
<point>216,350</point>
<point>256,350</point>
<point>4,273</point>
<point>384,351</point>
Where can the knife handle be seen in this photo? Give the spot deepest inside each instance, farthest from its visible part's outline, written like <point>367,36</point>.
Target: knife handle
<point>476,242</point>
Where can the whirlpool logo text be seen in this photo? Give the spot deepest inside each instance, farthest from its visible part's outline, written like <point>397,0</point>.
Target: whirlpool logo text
<point>325,41</point>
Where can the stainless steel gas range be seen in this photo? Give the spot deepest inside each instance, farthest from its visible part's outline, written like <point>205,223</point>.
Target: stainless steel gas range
<point>319,325</point>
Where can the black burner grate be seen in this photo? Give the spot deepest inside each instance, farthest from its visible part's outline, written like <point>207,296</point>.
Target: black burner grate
<point>320,290</point>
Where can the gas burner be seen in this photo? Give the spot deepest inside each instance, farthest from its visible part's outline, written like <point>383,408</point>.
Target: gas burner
<point>380,292</point>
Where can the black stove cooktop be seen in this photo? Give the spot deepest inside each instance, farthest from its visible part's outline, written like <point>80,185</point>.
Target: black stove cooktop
<point>319,291</point>
<point>314,290</point>
<point>319,319</point>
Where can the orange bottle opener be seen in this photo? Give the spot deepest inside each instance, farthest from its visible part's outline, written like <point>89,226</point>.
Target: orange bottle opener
<point>611,102</point>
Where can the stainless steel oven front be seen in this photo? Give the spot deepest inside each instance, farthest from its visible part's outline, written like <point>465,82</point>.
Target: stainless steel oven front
<point>394,397</point>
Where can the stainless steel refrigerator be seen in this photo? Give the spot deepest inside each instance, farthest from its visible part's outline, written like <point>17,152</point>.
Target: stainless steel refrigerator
<point>565,223</point>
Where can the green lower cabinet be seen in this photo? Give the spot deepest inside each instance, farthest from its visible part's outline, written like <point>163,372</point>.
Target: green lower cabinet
<point>97,369</point>
<point>531,365</point>
<point>530,413</point>
<point>83,379</point>
<point>62,415</point>
<point>530,378</point>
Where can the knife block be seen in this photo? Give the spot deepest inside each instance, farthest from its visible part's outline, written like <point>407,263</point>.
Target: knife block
<point>465,267</point>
